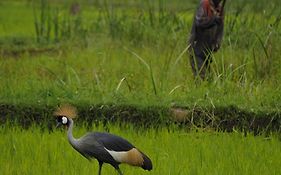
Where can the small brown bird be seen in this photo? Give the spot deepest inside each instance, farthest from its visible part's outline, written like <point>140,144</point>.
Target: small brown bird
<point>105,147</point>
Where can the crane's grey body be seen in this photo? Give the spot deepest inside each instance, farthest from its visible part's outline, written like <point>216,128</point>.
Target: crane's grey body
<point>93,144</point>
<point>107,148</point>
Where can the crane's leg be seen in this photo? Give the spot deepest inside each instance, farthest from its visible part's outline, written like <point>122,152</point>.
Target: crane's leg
<point>118,170</point>
<point>100,166</point>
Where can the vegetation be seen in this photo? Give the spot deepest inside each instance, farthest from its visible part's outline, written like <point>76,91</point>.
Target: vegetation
<point>133,53</point>
<point>35,151</point>
<point>126,61</point>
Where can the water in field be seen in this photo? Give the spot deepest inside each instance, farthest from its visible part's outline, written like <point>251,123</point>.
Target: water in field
<point>35,151</point>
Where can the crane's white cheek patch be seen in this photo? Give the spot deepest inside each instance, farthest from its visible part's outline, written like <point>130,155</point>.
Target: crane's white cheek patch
<point>64,120</point>
<point>131,157</point>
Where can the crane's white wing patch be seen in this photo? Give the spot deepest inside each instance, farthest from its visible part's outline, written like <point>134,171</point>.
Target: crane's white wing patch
<point>131,157</point>
<point>118,156</point>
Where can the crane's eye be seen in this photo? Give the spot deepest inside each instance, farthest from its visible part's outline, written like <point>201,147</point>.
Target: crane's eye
<point>64,120</point>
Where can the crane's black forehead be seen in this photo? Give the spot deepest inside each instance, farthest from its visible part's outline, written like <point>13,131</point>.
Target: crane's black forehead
<point>59,118</point>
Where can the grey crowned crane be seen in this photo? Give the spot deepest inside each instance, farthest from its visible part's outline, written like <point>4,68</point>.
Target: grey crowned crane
<point>105,147</point>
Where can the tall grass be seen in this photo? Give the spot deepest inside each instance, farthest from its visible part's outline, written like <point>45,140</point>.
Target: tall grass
<point>104,45</point>
<point>35,151</point>
<point>156,24</point>
<point>55,23</point>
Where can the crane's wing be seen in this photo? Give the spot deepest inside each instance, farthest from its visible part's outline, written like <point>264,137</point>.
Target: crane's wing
<point>123,151</point>
<point>90,148</point>
<point>113,142</point>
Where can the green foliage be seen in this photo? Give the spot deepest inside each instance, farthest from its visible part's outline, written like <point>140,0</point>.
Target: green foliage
<point>173,152</point>
<point>135,53</point>
<point>54,25</point>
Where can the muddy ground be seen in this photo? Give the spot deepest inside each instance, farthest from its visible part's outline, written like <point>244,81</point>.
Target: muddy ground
<point>222,119</point>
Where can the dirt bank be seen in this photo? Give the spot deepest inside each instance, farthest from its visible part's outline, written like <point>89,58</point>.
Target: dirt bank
<point>220,118</point>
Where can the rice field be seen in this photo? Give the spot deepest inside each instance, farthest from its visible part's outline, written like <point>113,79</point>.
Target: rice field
<point>173,151</point>
<point>132,54</point>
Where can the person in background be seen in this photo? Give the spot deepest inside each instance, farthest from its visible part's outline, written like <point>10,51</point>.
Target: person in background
<point>206,35</point>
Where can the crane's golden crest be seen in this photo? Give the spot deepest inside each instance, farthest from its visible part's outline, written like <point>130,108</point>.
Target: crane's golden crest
<point>66,110</point>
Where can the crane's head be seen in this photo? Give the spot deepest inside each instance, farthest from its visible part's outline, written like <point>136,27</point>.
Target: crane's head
<point>64,114</point>
<point>62,121</point>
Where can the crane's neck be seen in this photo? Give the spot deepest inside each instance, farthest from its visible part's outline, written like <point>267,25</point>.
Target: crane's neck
<point>70,137</point>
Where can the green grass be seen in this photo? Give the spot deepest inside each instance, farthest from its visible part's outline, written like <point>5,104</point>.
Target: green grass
<point>93,75</point>
<point>36,151</point>
<point>102,59</point>
<point>131,53</point>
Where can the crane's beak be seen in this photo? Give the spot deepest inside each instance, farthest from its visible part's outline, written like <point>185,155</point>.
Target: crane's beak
<point>58,124</point>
